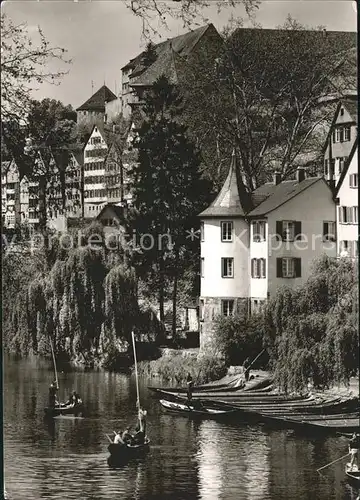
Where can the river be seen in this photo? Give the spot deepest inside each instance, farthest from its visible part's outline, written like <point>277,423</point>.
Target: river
<point>67,458</point>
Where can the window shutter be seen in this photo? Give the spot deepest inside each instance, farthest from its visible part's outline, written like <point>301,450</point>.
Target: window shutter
<point>350,248</point>
<point>340,214</point>
<point>297,268</point>
<point>279,230</point>
<point>263,268</point>
<point>279,273</point>
<point>297,230</point>
<point>349,216</point>
<point>252,268</point>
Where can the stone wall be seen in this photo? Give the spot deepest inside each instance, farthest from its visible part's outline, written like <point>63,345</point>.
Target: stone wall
<point>212,309</point>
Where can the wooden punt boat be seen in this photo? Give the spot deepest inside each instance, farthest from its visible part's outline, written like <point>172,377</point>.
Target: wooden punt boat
<point>64,409</point>
<point>194,410</point>
<point>353,475</point>
<point>335,424</point>
<point>123,452</point>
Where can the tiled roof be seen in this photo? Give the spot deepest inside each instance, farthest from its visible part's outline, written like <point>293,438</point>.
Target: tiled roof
<point>352,107</point>
<point>339,40</point>
<point>181,45</point>
<point>97,101</point>
<point>117,209</point>
<point>165,65</point>
<point>269,196</point>
<point>228,202</point>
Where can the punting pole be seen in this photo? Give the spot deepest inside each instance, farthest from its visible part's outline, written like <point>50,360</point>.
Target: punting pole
<point>257,357</point>
<point>53,355</point>
<point>338,460</point>
<point>136,372</point>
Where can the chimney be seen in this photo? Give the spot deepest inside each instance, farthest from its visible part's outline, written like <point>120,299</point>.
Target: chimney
<point>300,174</point>
<point>276,178</point>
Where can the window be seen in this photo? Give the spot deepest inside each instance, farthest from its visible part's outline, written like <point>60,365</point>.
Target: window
<point>354,180</point>
<point>347,134</point>
<point>340,165</point>
<point>342,112</point>
<point>227,267</point>
<point>326,168</point>
<point>288,267</point>
<point>329,231</point>
<point>202,234</point>
<point>355,215</point>
<point>227,307</point>
<point>288,230</point>
<point>201,310</point>
<point>259,229</point>
<point>346,215</point>
<point>344,246</point>
<point>202,269</point>
<point>342,134</point>
<point>226,231</point>
<point>258,268</point>
<point>356,249</point>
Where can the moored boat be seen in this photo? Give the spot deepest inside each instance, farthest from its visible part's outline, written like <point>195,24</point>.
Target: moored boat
<point>353,474</point>
<point>195,408</point>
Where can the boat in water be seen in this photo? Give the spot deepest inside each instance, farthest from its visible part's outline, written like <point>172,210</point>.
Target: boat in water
<point>65,409</point>
<point>120,452</point>
<point>353,474</point>
<point>195,409</point>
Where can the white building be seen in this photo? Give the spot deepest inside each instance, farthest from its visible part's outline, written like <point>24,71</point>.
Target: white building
<point>251,246</point>
<point>95,151</point>
<point>347,210</point>
<point>340,140</point>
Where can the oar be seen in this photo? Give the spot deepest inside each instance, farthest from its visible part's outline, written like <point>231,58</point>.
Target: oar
<point>338,460</point>
<point>109,438</point>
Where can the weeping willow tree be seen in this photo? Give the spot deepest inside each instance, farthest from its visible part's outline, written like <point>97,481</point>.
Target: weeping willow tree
<point>311,332</point>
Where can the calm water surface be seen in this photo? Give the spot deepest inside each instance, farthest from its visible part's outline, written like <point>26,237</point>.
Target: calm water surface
<point>67,458</point>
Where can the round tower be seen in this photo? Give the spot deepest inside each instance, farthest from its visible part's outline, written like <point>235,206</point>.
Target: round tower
<point>225,282</point>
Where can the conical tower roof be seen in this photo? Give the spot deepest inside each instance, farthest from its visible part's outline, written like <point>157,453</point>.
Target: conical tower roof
<point>232,199</point>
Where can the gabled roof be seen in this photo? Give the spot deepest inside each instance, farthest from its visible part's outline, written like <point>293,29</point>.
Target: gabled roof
<point>351,105</point>
<point>116,209</point>
<point>182,45</point>
<point>270,196</point>
<point>97,101</point>
<point>230,202</point>
<point>165,65</point>
<point>346,167</point>
<point>5,166</point>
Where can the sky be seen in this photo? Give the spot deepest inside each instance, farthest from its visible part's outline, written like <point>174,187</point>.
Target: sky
<point>101,36</point>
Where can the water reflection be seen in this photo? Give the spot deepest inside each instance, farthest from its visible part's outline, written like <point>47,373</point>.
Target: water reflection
<point>66,458</point>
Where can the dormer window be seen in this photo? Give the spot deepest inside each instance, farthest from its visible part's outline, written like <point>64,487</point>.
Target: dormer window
<point>342,112</point>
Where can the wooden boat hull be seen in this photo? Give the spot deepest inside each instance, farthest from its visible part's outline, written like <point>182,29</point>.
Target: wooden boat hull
<point>191,411</point>
<point>64,410</point>
<point>353,476</point>
<point>123,452</point>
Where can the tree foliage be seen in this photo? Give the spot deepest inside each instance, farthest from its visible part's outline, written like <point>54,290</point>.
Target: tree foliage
<point>24,64</point>
<point>266,95</point>
<point>312,332</point>
<point>156,12</point>
<point>168,192</point>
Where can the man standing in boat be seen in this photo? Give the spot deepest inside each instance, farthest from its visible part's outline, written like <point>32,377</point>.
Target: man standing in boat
<point>141,427</point>
<point>354,446</point>
<point>52,394</point>
<point>190,384</point>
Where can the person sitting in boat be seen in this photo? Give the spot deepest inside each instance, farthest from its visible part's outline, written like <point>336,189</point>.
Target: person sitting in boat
<point>52,394</point>
<point>118,438</point>
<point>354,446</point>
<point>74,399</point>
<point>127,437</point>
